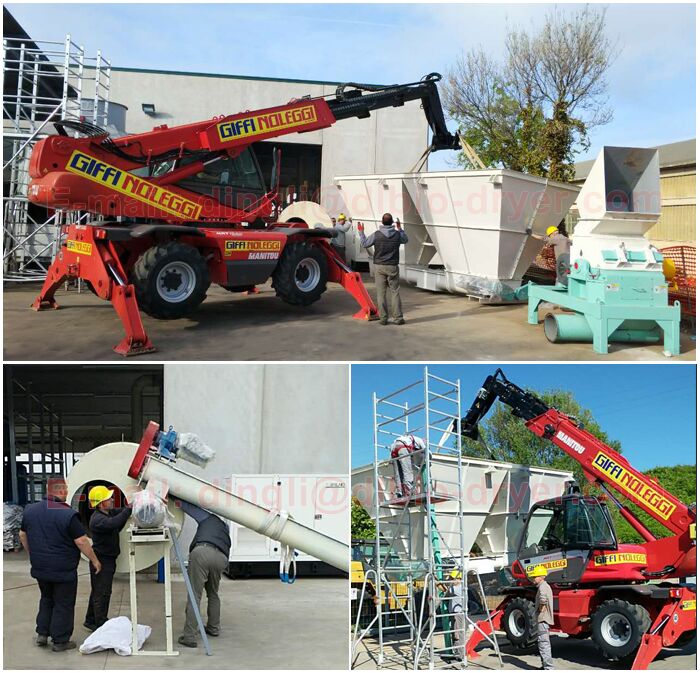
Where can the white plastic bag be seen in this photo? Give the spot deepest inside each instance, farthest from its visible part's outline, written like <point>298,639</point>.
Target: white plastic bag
<point>148,509</point>
<point>192,449</point>
<point>115,634</point>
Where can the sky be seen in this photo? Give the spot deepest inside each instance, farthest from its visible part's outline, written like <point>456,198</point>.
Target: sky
<point>649,408</point>
<point>652,81</point>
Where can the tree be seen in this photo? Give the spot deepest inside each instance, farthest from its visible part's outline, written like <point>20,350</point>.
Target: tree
<point>505,437</point>
<point>361,524</point>
<point>534,111</point>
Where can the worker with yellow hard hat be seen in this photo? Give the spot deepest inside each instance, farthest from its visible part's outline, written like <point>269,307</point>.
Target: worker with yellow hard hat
<point>105,525</point>
<point>558,239</point>
<point>544,605</point>
<point>340,228</point>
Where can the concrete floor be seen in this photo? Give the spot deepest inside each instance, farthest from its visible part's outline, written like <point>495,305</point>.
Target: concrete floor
<point>568,654</point>
<point>264,624</point>
<point>262,327</point>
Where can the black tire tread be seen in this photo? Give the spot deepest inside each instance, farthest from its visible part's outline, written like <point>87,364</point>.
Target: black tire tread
<point>528,607</point>
<point>637,613</point>
<point>283,275</point>
<point>146,263</point>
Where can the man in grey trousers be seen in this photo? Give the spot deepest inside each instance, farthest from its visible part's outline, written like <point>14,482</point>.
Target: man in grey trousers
<point>387,241</point>
<point>544,606</point>
<point>209,554</point>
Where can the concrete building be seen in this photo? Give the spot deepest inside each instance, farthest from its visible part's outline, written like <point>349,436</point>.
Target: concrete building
<point>259,418</point>
<point>391,140</point>
<point>677,225</point>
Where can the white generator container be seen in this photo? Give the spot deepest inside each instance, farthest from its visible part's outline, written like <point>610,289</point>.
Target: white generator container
<point>320,502</point>
<point>471,232</point>
<point>496,499</point>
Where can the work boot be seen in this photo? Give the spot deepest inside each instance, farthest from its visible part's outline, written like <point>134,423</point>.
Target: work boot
<point>42,641</point>
<point>400,321</point>
<point>211,631</point>
<point>90,627</point>
<point>63,647</point>
<point>383,321</point>
<point>187,643</point>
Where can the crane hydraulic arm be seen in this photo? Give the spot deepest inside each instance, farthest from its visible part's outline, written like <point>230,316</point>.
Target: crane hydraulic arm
<point>106,162</point>
<point>601,464</point>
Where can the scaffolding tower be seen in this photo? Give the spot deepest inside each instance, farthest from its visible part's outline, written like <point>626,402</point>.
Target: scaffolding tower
<point>419,582</point>
<point>44,82</point>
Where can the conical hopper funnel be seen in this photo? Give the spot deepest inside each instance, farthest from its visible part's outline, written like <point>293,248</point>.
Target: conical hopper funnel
<point>481,221</point>
<point>496,498</point>
<point>477,224</point>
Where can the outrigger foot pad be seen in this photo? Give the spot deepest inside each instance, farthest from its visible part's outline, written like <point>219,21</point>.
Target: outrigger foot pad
<point>40,304</point>
<point>128,348</point>
<point>366,314</point>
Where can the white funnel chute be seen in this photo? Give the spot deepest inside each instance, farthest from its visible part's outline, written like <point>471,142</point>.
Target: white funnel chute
<point>618,204</point>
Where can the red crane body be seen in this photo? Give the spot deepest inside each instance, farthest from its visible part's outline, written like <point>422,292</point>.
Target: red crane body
<point>593,576</point>
<point>179,212</point>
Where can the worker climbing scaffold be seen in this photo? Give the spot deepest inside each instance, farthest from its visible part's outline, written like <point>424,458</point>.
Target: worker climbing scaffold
<point>418,584</point>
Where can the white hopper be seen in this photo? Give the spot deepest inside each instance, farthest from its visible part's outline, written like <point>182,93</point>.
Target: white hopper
<point>480,223</point>
<point>496,498</point>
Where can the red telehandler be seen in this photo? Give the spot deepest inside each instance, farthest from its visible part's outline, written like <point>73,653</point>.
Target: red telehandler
<point>616,593</point>
<point>185,207</point>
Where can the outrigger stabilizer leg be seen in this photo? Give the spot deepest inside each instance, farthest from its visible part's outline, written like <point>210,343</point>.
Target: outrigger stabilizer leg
<point>96,262</point>
<point>339,272</point>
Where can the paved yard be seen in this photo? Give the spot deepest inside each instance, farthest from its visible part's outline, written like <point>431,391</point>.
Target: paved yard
<point>262,327</point>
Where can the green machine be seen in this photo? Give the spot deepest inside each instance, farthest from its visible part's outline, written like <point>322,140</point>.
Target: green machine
<point>616,289</point>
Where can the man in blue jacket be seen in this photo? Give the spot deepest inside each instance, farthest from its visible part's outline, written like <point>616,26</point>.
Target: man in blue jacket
<point>53,536</point>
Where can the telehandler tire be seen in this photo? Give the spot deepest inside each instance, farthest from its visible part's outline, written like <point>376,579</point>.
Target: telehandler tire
<point>519,622</point>
<point>617,628</point>
<point>301,275</point>
<point>171,280</point>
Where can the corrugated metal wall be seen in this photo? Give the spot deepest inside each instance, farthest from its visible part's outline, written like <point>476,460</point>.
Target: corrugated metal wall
<point>678,186</point>
<point>677,221</point>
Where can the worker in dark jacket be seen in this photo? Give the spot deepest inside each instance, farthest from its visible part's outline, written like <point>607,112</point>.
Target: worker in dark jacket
<point>106,523</point>
<point>208,559</point>
<point>53,536</point>
<point>386,241</point>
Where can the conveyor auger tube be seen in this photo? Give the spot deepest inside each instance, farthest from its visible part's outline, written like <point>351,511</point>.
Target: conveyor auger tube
<point>148,465</point>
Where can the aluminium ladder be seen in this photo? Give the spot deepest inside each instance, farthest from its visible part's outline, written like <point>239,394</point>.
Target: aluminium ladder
<point>417,546</point>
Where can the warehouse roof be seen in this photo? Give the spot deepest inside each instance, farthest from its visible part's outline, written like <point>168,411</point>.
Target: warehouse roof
<point>222,76</point>
<point>672,155</point>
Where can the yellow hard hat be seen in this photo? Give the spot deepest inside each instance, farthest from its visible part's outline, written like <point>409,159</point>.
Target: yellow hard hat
<point>552,230</point>
<point>669,269</point>
<point>99,494</point>
<point>538,571</point>
<point>456,574</point>
<point>342,216</point>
